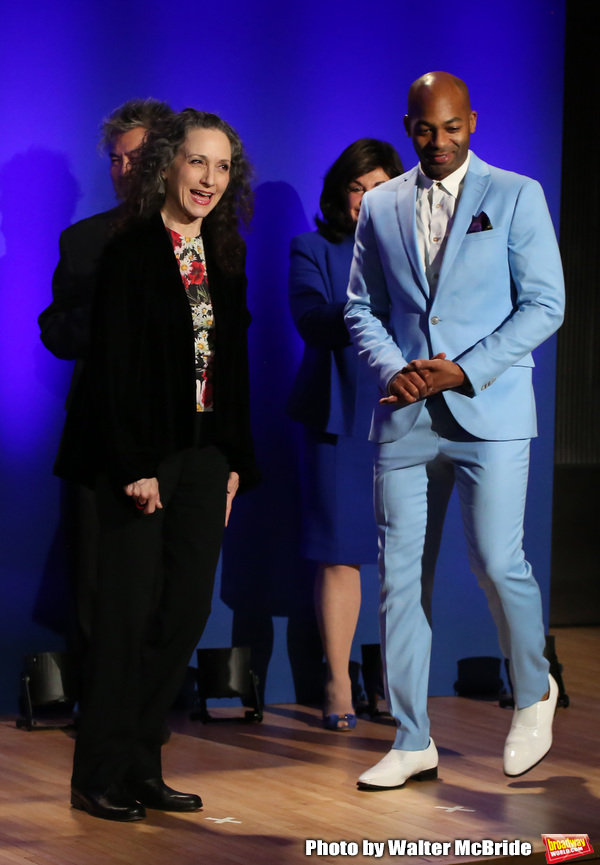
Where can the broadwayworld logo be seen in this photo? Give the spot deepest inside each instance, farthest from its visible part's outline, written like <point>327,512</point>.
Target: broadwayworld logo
<point>561,847</point>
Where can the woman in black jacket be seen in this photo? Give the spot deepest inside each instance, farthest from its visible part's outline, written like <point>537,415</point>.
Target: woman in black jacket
<point>160,426</point>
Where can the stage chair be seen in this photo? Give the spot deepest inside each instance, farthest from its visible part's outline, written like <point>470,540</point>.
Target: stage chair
<point>227,673</point>
<point>48,691</point>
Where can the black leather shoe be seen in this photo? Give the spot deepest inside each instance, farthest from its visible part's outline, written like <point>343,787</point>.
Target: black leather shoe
<point>154,793</point>
<point>111,804</point>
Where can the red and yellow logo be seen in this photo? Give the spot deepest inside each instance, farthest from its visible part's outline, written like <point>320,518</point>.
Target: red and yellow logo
<point>561,847</point>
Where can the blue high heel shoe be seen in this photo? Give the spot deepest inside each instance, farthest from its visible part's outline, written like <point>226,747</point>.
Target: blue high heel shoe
<point>331,722</point>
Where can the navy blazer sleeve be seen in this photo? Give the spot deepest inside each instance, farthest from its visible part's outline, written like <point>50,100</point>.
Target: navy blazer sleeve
<point>317,313</point>
<point>326,389</point>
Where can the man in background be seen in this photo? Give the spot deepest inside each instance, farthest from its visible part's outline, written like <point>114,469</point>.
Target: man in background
<point>65,326</point>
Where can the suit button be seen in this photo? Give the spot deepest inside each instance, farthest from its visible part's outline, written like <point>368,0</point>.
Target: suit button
<point>434,319</point>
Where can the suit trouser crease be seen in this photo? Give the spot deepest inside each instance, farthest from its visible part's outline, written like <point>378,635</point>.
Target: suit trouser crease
<point>414,478</point>
<point>155,583</point>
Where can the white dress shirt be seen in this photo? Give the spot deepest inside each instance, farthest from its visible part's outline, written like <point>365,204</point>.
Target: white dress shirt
<point>435,206</point>
<point>436,203</point>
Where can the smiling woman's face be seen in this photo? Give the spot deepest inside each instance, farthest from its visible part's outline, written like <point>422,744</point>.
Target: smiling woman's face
<point>196,180</point>
<point>358,187</point>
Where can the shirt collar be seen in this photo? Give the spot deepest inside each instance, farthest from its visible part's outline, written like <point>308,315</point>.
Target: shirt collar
<point>450,184</point>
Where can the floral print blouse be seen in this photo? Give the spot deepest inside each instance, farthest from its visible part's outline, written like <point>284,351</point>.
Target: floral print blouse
<point>189,252</point>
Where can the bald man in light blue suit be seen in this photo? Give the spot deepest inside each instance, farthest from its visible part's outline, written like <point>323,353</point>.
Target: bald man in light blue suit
<point>456,278</point>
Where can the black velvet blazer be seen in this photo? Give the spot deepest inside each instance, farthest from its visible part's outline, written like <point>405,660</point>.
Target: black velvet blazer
<point>136,402</point>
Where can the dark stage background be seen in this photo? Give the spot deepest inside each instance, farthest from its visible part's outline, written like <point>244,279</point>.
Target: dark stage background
<point>575,596</point>
<point>299,81</point>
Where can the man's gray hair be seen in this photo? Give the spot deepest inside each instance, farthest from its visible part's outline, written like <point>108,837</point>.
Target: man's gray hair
<point>131,115</point>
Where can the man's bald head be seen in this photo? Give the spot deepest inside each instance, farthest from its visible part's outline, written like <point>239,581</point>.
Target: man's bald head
<point>440,122</point>
<point>434,83</point>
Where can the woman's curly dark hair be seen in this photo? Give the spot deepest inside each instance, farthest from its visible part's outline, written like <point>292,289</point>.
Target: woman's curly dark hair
<point>359,158</point>
<point>146,187</point>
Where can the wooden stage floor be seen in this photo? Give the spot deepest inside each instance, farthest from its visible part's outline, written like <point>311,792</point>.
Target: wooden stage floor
<point>269,787</point>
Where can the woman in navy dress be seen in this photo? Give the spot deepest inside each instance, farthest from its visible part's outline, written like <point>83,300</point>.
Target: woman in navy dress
<point>333,397</point>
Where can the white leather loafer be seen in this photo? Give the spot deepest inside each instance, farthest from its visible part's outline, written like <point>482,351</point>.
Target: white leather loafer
<point>398,766</point>
<point>530,735</point>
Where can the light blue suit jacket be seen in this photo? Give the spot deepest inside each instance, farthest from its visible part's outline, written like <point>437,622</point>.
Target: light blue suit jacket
<point>500,293</point>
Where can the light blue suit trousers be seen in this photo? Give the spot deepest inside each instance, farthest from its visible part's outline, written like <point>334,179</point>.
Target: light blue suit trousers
<point>414,478</point>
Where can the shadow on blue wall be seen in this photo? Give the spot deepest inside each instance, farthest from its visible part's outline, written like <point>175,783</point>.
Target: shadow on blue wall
<point>263,574</point>
<point>38,196</point>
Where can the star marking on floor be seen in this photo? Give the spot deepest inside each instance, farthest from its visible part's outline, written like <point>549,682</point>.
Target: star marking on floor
<point>223,820</point>
<point>455,808</point>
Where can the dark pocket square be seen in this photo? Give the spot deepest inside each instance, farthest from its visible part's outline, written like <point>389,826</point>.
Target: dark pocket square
<point>480,223</point>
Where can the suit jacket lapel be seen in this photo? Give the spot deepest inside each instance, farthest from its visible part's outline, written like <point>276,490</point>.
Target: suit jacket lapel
<point>405,209</point>
<point>477,180</point>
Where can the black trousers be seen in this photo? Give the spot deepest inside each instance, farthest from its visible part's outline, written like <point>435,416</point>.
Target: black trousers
<point>155,582</point>
<point>79,508</point>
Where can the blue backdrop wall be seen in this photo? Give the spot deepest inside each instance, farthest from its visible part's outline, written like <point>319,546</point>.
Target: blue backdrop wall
<point>299,81</point>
